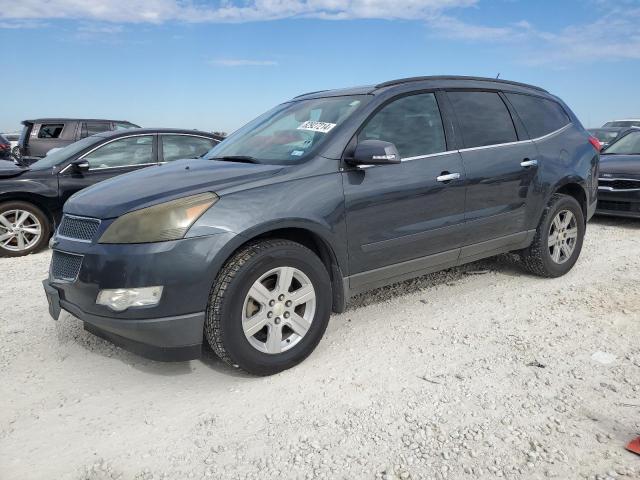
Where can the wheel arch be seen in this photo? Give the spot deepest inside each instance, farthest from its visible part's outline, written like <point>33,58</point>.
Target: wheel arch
<point>34,199</point>
<point>311,237</point>
<point>574,188</point>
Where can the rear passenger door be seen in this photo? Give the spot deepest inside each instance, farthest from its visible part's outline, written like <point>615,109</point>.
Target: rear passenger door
<point>500,168</point>
<point>46,136</point>
<point>178,146</point>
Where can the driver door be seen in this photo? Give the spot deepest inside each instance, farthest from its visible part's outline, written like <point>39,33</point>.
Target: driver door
<point>110,159</point>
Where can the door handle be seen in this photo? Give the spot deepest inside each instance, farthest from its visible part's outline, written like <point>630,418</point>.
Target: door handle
<point>447,177</point>
<point>526,163</point>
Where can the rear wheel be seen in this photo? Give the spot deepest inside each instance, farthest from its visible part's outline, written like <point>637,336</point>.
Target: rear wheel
<point>269,307</point>
<point>24,229</point>
<point>558,241</point>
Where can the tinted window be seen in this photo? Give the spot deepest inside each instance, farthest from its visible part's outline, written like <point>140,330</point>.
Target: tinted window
<point>540,116</point>
<point>412,123</point>
<point>50,130</point>
<point>123,152</point>
<point>91,128</point>
<point>483,118</point>
<point>184,146</point>
<point>124,125</point>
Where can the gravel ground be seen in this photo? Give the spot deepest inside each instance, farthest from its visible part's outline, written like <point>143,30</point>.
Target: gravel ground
<point>476,372</point>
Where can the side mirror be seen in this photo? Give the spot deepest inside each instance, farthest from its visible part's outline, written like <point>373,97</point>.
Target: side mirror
<point>81,166</point>
<point>375,152</point>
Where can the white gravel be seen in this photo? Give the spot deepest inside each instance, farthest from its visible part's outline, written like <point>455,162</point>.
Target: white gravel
<point>477,372</point>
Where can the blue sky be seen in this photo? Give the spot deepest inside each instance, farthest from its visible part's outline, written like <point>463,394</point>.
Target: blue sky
<point>215,65</point>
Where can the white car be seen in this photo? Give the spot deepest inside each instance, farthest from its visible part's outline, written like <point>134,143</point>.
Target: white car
<point>628,122</point>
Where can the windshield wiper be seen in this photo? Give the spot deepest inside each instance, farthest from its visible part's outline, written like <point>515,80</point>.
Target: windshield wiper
<point>236,158</point>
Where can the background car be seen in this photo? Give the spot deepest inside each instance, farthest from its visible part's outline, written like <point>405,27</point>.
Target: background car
<point>31,198</point>
<point>606,135</point>
<point>41,135</point>
<point>13,138</point>
<point>5,148</point>
<point>630,122</point>
<point>619,182</point>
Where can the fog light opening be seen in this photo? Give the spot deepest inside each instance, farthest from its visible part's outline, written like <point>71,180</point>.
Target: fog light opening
<point>120,299</point>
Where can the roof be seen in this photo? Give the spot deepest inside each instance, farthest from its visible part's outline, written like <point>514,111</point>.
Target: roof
<point>437,80</point>
<point>141,131</point>
<point>66,119</point>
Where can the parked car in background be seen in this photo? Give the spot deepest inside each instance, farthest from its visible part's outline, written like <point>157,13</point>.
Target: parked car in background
<point>325,196</point>
<point>31,198</point>
<point>631,122</point>
<point>5,148</point>
<point>13,138</point>
<point>606,135</point>
<point>41,135</point>
<point>619,183</point>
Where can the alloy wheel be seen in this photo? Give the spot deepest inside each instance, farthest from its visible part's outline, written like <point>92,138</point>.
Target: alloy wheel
<point>19,230</point>
<point>563,236</point>
<point>278,310</point>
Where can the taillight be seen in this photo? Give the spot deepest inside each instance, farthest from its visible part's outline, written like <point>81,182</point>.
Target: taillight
<point>596,143</point>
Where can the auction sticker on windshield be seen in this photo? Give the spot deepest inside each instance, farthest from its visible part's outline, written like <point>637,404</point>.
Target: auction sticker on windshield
<point>322,127</point>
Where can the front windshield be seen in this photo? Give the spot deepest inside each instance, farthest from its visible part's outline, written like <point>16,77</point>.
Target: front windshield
<point>59,156</point>
<point>627,145</point>
<point>289,132</point>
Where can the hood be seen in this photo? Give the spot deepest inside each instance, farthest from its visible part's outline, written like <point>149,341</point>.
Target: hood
<point>9,169</point>
<point>627,164</point>
<point>153,185</point>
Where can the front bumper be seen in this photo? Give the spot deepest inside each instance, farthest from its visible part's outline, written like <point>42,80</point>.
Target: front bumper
<point>171,330</point>
<point>619,203</point>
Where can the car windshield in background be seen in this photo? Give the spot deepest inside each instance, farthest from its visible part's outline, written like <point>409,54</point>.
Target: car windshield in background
<point>623,123</point>
<point>626,145</point>
<point>63,154</point>
<point>605,136</point>
<point>289,132</point>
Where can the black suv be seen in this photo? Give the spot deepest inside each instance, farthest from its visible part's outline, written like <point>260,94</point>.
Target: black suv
<point>44,134</point>
<point>325,196</point>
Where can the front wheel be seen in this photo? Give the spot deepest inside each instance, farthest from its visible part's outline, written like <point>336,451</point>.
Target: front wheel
<point>269,307</point>
<point>558,240</point>
<point>24,229</point>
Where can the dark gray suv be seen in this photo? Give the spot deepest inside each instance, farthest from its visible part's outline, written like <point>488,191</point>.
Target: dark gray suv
<point>323,197</point>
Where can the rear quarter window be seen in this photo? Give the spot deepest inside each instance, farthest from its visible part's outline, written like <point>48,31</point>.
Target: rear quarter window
<point>539,115</point>
<point>50,130</point>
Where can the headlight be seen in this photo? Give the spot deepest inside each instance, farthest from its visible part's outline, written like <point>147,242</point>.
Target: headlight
<point>166,221</point>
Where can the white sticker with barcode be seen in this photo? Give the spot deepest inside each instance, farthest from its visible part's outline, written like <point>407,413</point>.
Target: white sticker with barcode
<point>322,127</point>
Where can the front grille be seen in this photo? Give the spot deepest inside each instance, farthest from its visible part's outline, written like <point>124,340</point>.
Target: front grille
<point>614,206</point>
<point>620,184</point>
<point>65,266</point>
<point>79,228</point>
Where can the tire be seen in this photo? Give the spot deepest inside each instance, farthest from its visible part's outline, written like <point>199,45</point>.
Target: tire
<point>548,260</point>
<point>36,220</point>
<point>239,303</point>
<point>16,152</point>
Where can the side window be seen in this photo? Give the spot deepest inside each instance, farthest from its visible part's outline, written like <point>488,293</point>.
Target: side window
<point>184,146</point>
<point>124,152</point>
<point>539,115</point>
<point>91,128</point>
<point>50,130</point>
<point>483,117</point>
<point>412,123</point>
<point>123,125</point>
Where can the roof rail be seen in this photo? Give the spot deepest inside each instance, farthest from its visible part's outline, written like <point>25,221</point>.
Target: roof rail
<point>455,77</point>
<point>311,93</point>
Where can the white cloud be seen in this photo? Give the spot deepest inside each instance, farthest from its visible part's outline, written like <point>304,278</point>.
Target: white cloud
<point>240,62</point>
<point>159,11</point>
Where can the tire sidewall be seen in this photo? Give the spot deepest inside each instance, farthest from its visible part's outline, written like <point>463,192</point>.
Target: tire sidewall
<point>44,224</point>
<point>564,203</point>
<point>237,345</point>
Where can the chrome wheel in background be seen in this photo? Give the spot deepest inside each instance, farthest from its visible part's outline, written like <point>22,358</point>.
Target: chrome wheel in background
<point>19,230</point>
<point>278,310</point>
<point>563,235</point>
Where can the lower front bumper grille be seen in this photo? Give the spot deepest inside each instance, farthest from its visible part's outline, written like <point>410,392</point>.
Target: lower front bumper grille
<point>65,266</point>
